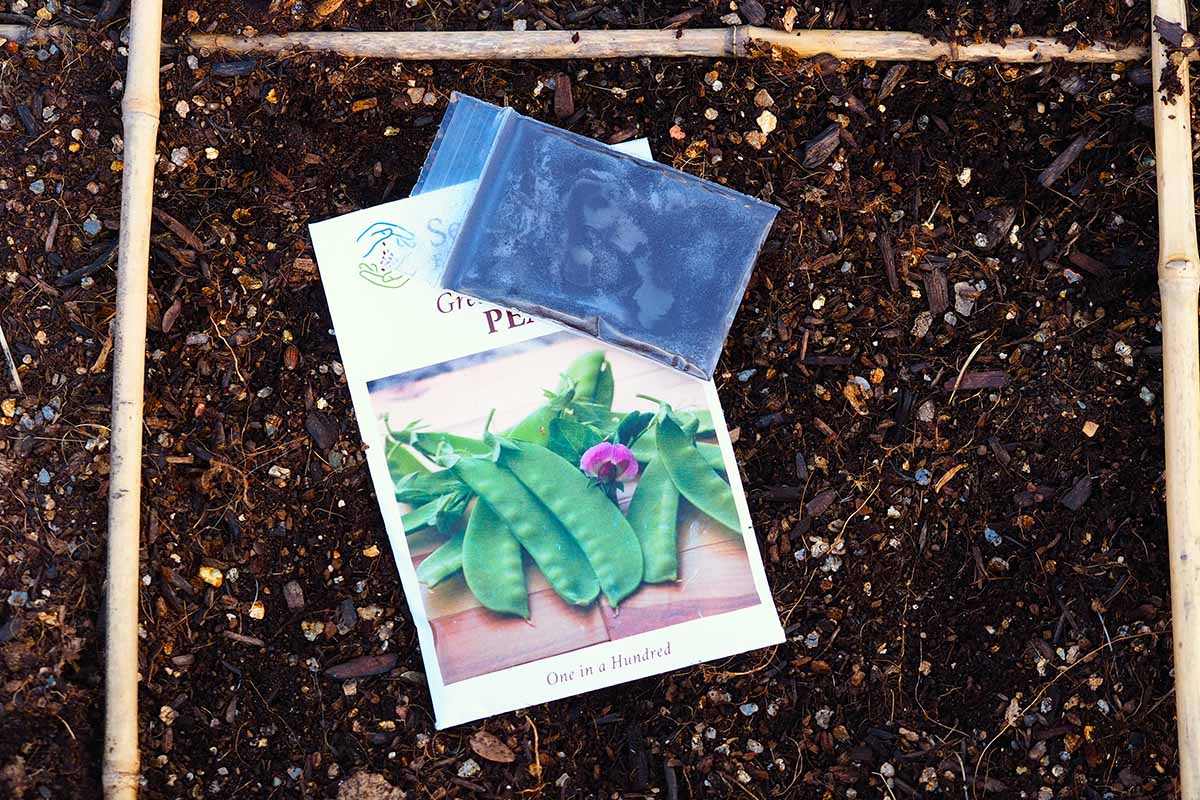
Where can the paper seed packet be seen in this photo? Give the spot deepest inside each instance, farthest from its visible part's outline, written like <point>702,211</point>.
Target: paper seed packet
<point>564,515</point>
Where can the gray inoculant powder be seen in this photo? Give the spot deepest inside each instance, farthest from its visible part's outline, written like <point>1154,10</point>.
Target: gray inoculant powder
<point>634,253</point>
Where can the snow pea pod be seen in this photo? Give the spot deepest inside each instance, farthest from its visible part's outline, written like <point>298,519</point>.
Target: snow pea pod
<point>535,427</point>
<point>443,562</point>
<point>605,386</point>
<point>492,563</point>
<point>702,419</point>
<point>588,515</point>
<point>645,450</point>
<point>694,478</point>
<point>423,516</point>
<point>583,375</point>
<point>586,390</point>
<point>653,515</point>
<point>554,551</point>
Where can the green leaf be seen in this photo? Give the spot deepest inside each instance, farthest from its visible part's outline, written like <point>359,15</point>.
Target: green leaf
<point>440,513</point>
<point>438,445</point>
<point>570,439</point>
<point>420,488</point>
<point>632,426</point>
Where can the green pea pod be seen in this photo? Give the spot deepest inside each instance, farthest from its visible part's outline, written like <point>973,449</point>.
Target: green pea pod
<point>492,563</point>
<point>535,427</point>
<point>692,475</point>
<point>402,463</point>
<point>653,515</point>
<point>443,562</point>
<point>713,457</point>
<point>645,450</point>
<point>557,555</point>
<point>702,418</point>
<point>583,375</point>
<point>592,519</point>
<point>423,516</point>
<point>605,386</point>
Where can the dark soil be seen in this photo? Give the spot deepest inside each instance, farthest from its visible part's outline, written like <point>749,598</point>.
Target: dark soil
<point>969,556</point>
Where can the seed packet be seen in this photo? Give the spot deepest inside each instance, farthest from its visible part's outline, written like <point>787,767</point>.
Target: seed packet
<point>561,227</point>
<point>556,530</point>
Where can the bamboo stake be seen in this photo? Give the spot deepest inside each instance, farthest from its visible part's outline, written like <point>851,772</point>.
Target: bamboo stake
<point>139,118</point>
<point>32,34</point>
<point>1179,286</point>
<point>736,41</point>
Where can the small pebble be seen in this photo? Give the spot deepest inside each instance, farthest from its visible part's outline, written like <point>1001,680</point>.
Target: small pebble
<point>312,629</point>
<point>749,709</point>
<point>212,576</point>
<point>766,122</point>
<point>38,186</point>
<point>469,769</point>
<point>43,477</point>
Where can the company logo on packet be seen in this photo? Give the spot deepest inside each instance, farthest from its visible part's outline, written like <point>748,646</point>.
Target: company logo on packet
<point>387,247</point>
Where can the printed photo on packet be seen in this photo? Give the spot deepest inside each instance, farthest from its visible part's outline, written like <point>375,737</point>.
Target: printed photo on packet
<point>557,494</point>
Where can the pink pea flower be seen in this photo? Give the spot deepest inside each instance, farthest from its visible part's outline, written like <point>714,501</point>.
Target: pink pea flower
<point>609,463</point>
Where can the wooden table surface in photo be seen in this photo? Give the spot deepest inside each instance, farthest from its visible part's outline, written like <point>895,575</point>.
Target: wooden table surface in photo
<point>458,400</point>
